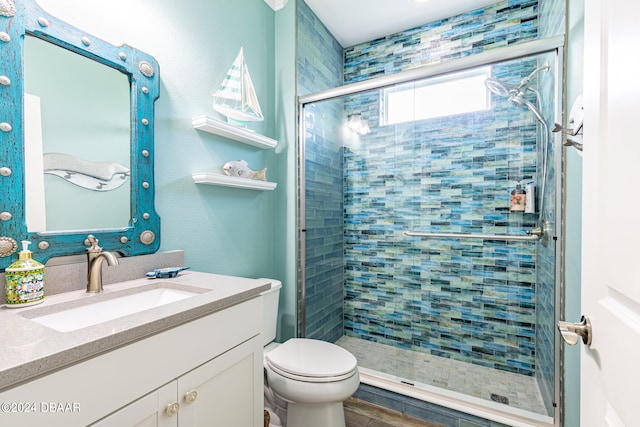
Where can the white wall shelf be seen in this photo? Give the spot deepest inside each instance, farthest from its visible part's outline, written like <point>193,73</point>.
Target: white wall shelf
<point>218,127</point>
<point>231,181</point>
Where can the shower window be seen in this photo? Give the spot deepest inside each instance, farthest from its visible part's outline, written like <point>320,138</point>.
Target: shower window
<point>436,97</point>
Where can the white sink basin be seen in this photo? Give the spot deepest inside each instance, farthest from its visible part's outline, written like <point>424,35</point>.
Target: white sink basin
<point>89,314</point>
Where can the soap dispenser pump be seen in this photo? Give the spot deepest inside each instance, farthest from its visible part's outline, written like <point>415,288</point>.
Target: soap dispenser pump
<point>24,280</point>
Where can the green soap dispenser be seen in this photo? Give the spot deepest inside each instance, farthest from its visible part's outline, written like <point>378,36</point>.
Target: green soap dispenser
<point>25,280</point>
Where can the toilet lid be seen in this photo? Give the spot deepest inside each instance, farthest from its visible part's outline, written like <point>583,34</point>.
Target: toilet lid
<point>312,358</point>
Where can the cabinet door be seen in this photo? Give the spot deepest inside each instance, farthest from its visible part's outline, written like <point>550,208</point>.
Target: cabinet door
<point>148,411</point>
<point>227,391</point>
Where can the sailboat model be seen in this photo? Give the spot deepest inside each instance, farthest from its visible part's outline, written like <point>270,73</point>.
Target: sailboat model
<point>236,99</point>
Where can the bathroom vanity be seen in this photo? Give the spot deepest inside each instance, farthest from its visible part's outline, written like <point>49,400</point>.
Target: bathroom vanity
<point>196,360</point>
<point>180,351</point>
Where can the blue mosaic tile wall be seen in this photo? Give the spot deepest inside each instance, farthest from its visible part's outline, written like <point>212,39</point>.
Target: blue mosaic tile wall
<point>552,22</point>
<point>546,256</point>
<point>320,67</point>
<point>476,299</point>
<point>493,27</point>
<point>469,300</point>
<point>320,56</point>
<point>552,18</point>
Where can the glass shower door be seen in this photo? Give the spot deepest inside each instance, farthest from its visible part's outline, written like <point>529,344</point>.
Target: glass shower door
<point>456,311</point>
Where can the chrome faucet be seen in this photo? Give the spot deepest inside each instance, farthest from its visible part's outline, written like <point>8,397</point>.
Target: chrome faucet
<point>95,257</point>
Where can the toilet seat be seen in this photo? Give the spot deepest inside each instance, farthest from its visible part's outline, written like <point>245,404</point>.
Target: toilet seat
<point>309,379</point>
<point>309,360</point>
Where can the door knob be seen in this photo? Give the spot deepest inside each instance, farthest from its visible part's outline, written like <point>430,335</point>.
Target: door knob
<point>571,332</point>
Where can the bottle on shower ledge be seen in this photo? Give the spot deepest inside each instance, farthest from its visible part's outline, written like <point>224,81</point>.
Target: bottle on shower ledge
<point>530,198</point>
<point>518,199</point>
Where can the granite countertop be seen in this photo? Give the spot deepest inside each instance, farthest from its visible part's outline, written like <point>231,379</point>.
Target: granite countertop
<point>29,349</point>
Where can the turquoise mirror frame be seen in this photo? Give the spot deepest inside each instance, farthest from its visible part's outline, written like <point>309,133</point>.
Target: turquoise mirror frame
<point>142,235</point>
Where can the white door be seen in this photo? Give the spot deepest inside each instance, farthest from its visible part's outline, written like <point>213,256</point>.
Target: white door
<point>610,366</point>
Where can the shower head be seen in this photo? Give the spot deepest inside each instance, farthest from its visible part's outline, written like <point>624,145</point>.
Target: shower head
<point>516,93</point>
<point>508,90</point>
<point>499,88</point>
<point>521,101</point>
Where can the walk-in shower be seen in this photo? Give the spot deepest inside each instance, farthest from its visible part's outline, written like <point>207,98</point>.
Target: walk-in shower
<point>411,257</point>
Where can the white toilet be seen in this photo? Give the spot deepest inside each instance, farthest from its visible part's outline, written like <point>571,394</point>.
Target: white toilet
<point>313,377</point>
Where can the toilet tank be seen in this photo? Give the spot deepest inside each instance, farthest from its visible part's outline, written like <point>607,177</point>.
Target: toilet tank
<point>270,299</point>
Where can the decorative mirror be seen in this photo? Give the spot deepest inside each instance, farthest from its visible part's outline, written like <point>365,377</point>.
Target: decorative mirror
<point>76,139</point>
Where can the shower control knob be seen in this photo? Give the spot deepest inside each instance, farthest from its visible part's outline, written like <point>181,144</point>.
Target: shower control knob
<point>190,396</point>
<point>571,332</point>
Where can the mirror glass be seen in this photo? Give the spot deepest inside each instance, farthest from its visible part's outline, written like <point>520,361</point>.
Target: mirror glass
<point>77,120</point>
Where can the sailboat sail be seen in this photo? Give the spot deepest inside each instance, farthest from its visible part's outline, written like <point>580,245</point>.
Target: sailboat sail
<point>236,98</point>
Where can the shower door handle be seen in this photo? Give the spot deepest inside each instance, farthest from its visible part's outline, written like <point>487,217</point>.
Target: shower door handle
<point>571,332</point>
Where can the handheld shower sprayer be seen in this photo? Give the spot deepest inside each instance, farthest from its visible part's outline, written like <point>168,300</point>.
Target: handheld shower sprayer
<point>499,88</point>
<point>520,100</point>
<point>509,90</point>
<point>516,94</point>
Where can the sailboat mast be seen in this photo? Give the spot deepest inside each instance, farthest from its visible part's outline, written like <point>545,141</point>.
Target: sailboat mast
<point>243,96</point>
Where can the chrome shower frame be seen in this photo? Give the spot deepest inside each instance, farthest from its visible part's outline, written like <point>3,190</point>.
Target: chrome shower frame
<point>540,46</point>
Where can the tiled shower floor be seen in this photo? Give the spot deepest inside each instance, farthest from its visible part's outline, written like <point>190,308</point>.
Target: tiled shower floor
<point>478,381</point>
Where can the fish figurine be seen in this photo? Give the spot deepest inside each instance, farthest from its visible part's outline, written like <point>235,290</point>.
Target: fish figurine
<point>241,169</point>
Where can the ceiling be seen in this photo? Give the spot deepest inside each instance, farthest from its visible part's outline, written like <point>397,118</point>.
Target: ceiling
<point>356,21</point>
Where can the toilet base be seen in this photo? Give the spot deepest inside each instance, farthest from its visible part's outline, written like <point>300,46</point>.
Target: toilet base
<point>315,415</point>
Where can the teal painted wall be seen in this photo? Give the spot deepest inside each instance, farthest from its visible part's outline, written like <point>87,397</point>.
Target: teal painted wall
<point>222,230</point>
<point>573,224</point>
<point>286,197</point>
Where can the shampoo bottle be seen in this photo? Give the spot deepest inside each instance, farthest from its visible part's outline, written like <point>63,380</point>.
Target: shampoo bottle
<point>24,280</point>
<point>530,202</point>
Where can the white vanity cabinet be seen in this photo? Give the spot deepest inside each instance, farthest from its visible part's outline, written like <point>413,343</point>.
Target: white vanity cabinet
<point>220,392</point>
<point>211,367</point>
<point>225,390</point>
<point>148,411</point>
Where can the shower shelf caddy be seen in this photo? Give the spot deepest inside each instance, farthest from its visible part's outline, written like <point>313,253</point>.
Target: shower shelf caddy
<point>218,127</point>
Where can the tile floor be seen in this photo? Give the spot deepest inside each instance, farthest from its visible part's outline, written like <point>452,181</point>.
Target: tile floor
<point>518,391</point>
